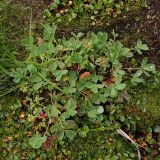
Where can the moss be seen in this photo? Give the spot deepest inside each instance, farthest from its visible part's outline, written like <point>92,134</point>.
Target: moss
<point>146,100</point>
<point>98,145</point>
<point>151,102</point>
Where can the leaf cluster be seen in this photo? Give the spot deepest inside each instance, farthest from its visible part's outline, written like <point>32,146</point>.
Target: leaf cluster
<point>65,79</point>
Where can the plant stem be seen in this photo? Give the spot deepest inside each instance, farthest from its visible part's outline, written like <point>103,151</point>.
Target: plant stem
<point>102,129</point>
<point>131,68</point>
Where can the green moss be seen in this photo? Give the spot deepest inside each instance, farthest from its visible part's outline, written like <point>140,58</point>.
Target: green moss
<point>98,145</point>
<point>151,103</point>
<point>147,98</point>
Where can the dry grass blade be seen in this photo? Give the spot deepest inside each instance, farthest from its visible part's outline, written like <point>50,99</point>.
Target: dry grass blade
<point>122,133</point>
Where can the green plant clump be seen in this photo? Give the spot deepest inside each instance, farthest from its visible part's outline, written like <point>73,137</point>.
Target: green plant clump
<point>66,84</point>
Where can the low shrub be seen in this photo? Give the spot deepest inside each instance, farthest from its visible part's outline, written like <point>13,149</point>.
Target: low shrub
<point>68,84</point>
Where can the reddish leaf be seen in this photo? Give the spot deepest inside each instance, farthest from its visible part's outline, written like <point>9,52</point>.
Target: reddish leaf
<point>110,81</point>
<point>48,143</point>
<point>43,115</point>
<point>75,66</point>
<point>85,75</point>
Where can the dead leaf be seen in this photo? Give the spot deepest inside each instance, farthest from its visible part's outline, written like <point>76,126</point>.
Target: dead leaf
<point>24,102</point>
<point>40,41</point>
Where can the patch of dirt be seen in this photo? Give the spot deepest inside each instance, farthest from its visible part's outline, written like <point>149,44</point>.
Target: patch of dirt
<point>37,8</point>
<point>146,28</point>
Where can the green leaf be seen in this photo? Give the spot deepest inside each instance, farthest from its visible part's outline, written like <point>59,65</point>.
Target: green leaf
<point>44,71</point>
<point>92,114</point>
<point>120,86</point>
<point>53,67</point>
<point>49,32</point>
<point>141,46</point>
<point>60,135</point>
<point>93,87</point>
<point>57,130</point>
<point>71,109</point>
<point>114,52</point>
<point>38,85</point>
<point>54,128</point>
<point>69,90</point>
<point>55,4</point>
<point>102,98</point>
<point>36,141</point>
<point>95,78</point>
<point>138,73</point>
<point>99,39</point>
<point>121,72</point>
<point>136,80</point>
<point>72,78</point>
<point>17,76</point>
<point>157,129</point>
<point>72,44</point>
<point>52,111</point>
<point>32,69</point>
<point>71,104</point>
<point>51,48</point>
<point>69,124</point>
<point>28,43</point>
<point>82,134</point>
<point>126,52</point>
<point>35,78</point>
<point>100,109</point>
<point>59,74</point>
<point>72,112</point>
<point>76,58</point>
<point>149,67</point>
<point>70,134</point>
<point>17,79</point>
<point>60,64</point>
<point>99,118</point>
<point>114,92</point>
<point>65,115</point>
<point>144,61</point>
